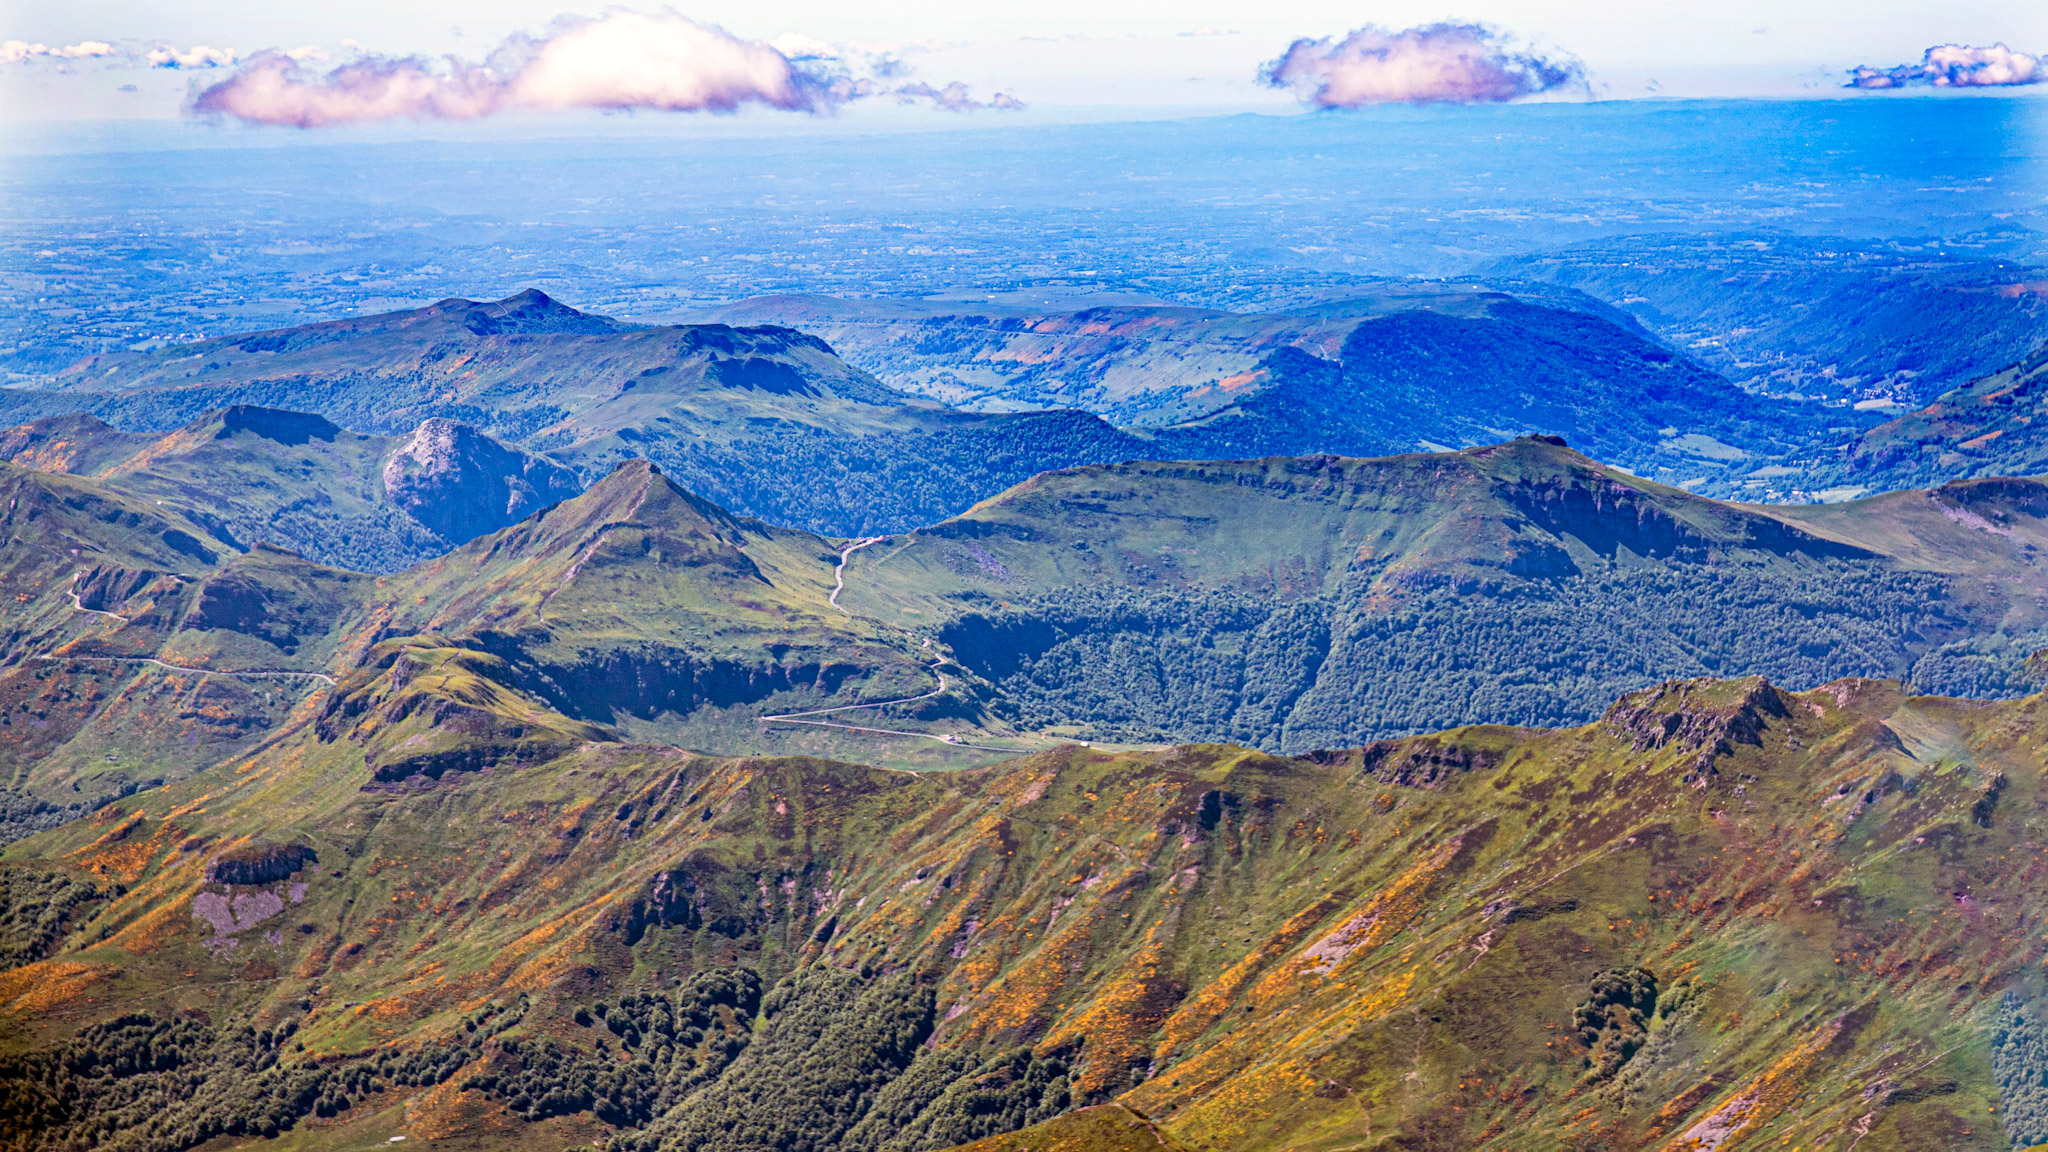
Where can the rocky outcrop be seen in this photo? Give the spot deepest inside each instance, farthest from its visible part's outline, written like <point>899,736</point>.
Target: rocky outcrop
<point>279,424</point>
<point>460,484</point>
<point>1707,717</point>
<point>259,863</point>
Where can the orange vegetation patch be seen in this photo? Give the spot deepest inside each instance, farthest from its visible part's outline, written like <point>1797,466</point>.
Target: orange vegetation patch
<point>1114,1029</point>
<point>49,985</point>
<point>161,925</point>
<point>446,1110</point>
<point>1763,1097</point>
<point>123,855</point>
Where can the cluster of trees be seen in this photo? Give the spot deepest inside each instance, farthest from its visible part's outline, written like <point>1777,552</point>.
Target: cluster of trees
<point>2019,1065</point>
<point>1333,671</point>
<point>671,1044</point>
<point>141,1083</point>
<point>828,1058</point>
<point>891,477</point>
<point>38,906</point>
<point>24,815</point>
<point>830,1040</point>
<point>1613,1020</point>
<point>950,1096</point>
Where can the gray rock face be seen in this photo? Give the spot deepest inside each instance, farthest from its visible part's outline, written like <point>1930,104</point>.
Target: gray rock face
<point>459,483</point>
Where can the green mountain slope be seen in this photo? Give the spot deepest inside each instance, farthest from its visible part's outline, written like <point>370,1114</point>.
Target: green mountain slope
<point>1722,916</point>
<point>765,420</point>
<point>1836,317</point>
<point>119,614</point>
<point>295,480</point>
<point>1318,602</point>
<point>1985,428</point>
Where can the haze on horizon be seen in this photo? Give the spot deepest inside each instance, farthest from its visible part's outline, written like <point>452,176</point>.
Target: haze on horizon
<point>122,59</point>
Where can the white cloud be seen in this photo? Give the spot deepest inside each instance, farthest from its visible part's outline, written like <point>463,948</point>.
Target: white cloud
<point>1433,64</point>
<point>21,51</point>
<point>621,61</point>
<point>197,56</point>
<point>1957,66</point>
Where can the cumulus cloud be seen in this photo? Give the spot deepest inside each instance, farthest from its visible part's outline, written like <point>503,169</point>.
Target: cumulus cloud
<point>21,51</point>
<point>197,56</point>
<point>1957,66</point>
<point>621,61</point>
<point>955,97</point>
<point>1432,64</point>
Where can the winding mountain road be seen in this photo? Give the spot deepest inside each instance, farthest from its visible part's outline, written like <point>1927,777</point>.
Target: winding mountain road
<point>265,674</point>
<point>839,573</point>
<point>798,717</point>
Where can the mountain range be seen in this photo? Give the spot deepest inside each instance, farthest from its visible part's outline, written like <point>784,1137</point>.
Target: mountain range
<point>767,420</point>
<point>1889,324</point>
<point>405,733</point>
<point>1411,366</point>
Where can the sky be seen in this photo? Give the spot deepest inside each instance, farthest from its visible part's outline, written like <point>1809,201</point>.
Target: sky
<point>1053,57</point>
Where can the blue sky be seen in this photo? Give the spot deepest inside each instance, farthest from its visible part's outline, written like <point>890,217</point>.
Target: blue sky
<point>1102,55</point>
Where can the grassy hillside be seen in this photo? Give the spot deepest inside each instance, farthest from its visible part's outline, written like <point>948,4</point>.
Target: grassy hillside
<point>120,614</point>
<point>1317,602</point>
<point>1722,916</point>
<point>1985,428</point>
<point>1286,604</point>
<point>765,420</point>
<point>295,480</point>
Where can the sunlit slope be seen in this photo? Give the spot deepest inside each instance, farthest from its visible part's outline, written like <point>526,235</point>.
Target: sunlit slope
<point>118,612</point>
<point>639,603</point>
<point>296,480</point>
<point>1723,915</point>
<point>1320,601</point>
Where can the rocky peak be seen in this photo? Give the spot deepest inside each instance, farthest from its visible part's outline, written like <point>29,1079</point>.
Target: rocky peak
<point>461,484</point>
<point>1707,717</point>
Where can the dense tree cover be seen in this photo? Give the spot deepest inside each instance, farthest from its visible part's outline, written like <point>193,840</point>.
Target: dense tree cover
<point>949,1097</point>
<point>891,480</point>
<point>671,1044</point>
<point>1614,1018</point>
<point>2019,1063</point>
<point>830,1040</point>
<point>140,1083</point>
<point>837,1059</point>
<point>37,907</point>
<point>1352,667</point>
<point>24,815</point>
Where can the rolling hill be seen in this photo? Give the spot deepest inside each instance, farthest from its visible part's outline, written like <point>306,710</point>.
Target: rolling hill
<point>1847,319</point>
<point>764,420</point>
<point>1404,368</point>
<point>295,480</point>
<point>1287,604</point>
<point>1298,603</point>
<point>1985,428</point>
<point>118,612</point>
